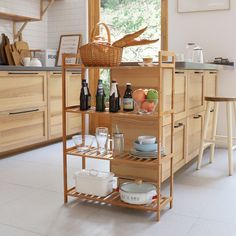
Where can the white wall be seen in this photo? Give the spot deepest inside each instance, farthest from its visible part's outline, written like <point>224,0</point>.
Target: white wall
<point>66,17</point>
<point>214,31</point>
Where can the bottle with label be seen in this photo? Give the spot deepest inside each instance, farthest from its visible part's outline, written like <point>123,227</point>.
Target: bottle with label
<point>89,97</point>
<point>100,97</point>
<point>84,96</point>
<point>128,101</point>
<point>114,98</point>
<point>119,97</point>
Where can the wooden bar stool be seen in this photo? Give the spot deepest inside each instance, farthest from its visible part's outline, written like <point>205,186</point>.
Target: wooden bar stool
<point>204,141</point>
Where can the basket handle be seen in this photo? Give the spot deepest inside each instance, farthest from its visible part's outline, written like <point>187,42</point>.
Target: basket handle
<point>107,30</point>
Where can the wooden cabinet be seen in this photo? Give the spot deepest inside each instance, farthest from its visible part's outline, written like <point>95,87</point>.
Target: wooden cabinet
<point>194,127</point>
<point>22,127</point>
<point>55,103</point>
<point>22,89</point>
<point>180,105</point>
<point>210,78</point>
<point>180,132</point>
<point>195,98</point>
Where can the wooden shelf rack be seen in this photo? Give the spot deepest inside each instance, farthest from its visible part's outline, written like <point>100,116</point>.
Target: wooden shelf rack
<point>126,158</point>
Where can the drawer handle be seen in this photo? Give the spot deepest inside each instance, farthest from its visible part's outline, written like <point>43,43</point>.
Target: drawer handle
<point>22,112</point>
<point>197,117</point>
<point>213,72</point>
<point>212,110</point>
<point>198,72</point>
<point>23,73</point>
<point>178,125</point>
<point>179,72</point>
<point>75,73</point>
<point>56,73</point>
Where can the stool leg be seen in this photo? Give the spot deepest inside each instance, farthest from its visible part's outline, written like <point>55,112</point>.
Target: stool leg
<point>230,136</point>
<point>213,135</point>
<point>204,134</point>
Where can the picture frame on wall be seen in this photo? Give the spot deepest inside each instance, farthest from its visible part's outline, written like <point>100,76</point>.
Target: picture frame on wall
<point>69,43</point>
<point>185,6</point>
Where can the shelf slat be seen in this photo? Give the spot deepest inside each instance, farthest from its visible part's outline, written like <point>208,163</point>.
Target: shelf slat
<point>16,18</point>
<point>114,199</point>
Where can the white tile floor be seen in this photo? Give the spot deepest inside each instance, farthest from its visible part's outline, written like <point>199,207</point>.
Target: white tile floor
<point>31,201</point>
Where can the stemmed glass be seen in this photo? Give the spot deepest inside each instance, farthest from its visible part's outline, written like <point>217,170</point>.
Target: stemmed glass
<point>102,137</point>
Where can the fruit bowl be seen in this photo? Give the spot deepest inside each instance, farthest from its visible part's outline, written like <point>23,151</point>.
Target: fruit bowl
<point>148,106</point>
<point>146,100</point>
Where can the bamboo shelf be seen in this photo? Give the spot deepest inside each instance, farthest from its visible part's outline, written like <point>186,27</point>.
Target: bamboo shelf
<point>125,159</point>
<point>114,199</point>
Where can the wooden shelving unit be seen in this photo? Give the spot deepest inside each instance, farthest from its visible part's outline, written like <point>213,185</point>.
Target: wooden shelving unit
<point>162,201</point>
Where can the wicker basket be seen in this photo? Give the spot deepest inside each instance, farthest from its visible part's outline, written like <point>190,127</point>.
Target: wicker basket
<point>100,53</point>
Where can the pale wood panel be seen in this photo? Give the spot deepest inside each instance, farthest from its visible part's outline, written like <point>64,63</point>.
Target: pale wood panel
<point>22,89</point>
<point>180,130</point>
<point>210,78</point>
<point>180,99</point>
<point>194,134</point>
<point>195,92</point>
<point>55,103</point>
<point>21,128</point>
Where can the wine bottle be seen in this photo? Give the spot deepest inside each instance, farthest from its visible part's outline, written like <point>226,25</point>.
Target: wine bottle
<point>114,98</point>
<point>119,97</point>
<point>100,97</point>
<point>89,97</point>
<point>84,96</point>
<point>128,101</point>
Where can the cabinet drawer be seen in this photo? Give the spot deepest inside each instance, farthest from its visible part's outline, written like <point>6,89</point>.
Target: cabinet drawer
<point>179,147</point>
<point>22,128</point>
<point>195,92</point>
<point>22,89</point>
<point>180,103</point>
<point>194,134</point>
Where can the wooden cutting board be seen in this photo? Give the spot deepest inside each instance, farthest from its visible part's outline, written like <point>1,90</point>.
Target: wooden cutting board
<point>21,45</point>
<point>8,52</point>
<point>16,56</point>
<point>2,50</point>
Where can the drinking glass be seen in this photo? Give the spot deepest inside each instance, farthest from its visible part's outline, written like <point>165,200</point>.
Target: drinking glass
<point>102,137</point>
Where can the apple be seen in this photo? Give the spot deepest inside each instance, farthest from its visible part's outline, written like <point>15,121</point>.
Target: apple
<point>148,106</point>
<point>152,94</point>
<point>139,95</point>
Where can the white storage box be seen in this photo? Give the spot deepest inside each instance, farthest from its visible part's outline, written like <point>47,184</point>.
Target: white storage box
<point>94,182</point>
<point>47,57</point>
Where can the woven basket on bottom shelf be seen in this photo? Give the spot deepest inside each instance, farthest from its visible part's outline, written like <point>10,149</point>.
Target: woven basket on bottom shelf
<point>100,53</point>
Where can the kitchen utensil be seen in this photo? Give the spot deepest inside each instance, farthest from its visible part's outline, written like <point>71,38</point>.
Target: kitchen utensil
<point>84,143</point>
<point>118,143</point>
<point>147,60</point>
<point>8,52</point>
<point>148,147</point>
<point>35,62</point>
<point>189,52</point>
<point>15,55</point>
<point>26,61</point>
<point>198,55</point>
<point>25,53</point>
<point>146,139</point>
<point>94,182</point>
<point>138,193</point>
<point>102,138</point>
<point>21,45</point>
<point>2,50</point>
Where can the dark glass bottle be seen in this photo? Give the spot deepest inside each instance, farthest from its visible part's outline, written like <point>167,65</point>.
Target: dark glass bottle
<point>84,96</point>
<point>89,97</point>
<point>119,97</point>
<point>114,98</point>
<point>100,97</point>
<point>128,101</point>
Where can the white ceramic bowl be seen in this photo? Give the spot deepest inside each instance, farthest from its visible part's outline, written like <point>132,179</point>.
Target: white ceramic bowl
<point>147,139</point>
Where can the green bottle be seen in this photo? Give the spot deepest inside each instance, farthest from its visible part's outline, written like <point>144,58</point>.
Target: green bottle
<point>100,97</point>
